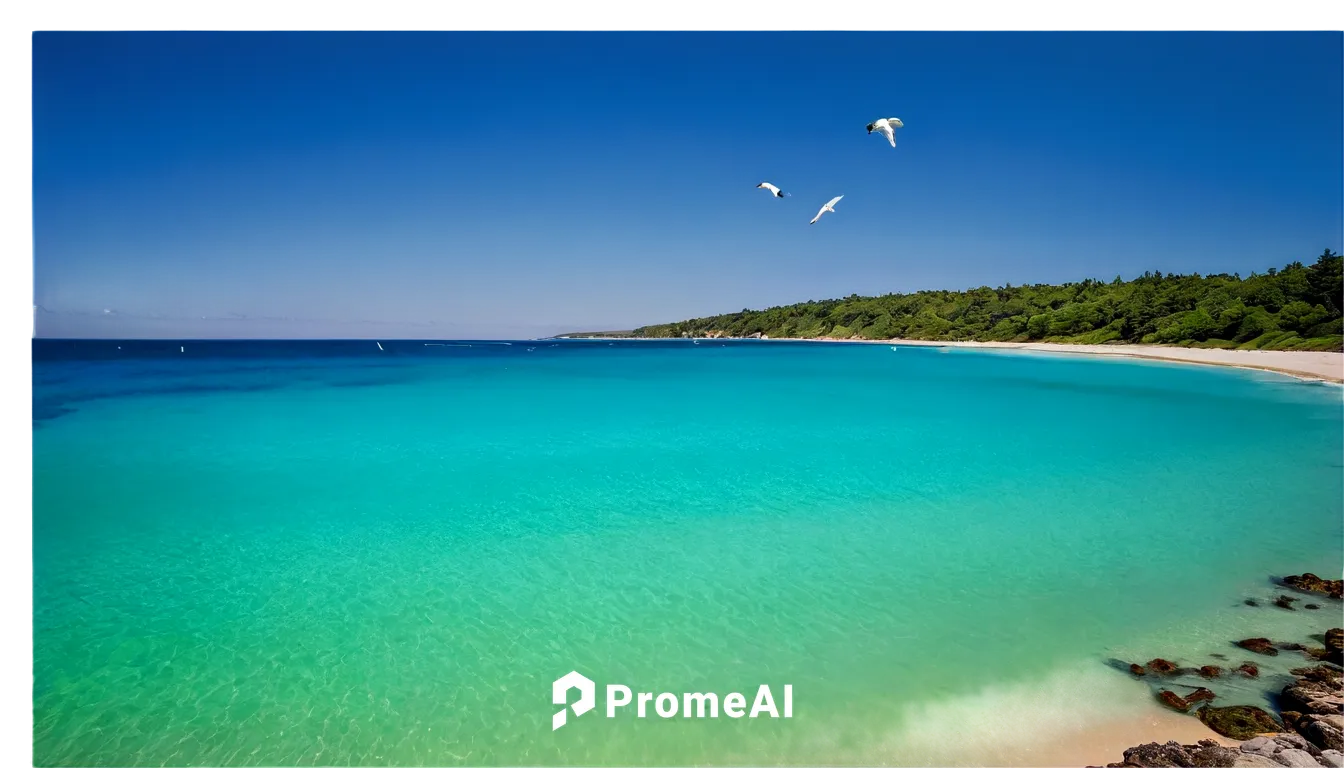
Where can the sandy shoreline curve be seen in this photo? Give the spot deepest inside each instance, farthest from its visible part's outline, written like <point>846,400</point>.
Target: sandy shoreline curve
<point>1319,366</point>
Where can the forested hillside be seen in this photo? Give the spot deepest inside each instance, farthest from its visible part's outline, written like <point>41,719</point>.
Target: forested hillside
<point>1297,307</point>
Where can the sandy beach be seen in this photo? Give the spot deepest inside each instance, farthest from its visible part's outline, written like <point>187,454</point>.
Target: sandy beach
<point>1322,366</point>
<point>1070,726</point>
<point>1106,742</point>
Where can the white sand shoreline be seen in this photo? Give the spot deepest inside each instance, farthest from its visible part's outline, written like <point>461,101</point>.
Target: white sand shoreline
<point>1316,366</point>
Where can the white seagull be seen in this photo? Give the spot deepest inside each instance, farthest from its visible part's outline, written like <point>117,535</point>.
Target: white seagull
<point>825,208</point>
<point>773,189</point>
<point>887,127</point>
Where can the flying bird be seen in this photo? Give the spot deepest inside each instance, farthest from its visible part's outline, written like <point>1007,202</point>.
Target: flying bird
<point>887,127</point>
<point>825,208</point>
<point>773,189</point>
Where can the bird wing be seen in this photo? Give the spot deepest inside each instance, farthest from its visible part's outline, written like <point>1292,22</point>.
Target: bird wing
<point>769,186</point>
<point>895,122</point>
<point>818,216</point>
<point>891,137</point>
<point>834,200</point>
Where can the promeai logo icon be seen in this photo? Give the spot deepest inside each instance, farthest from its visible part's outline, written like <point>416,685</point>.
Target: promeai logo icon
<point>560,695</point>
<point>690,704</point>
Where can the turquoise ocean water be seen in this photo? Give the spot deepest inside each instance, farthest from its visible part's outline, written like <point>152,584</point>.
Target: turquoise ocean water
<point>295,553</point>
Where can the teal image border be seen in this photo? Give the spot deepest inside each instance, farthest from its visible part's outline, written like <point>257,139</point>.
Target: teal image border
<point>16,249</point>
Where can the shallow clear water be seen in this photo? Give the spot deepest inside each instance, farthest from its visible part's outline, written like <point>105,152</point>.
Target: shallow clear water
<point>266,553</point>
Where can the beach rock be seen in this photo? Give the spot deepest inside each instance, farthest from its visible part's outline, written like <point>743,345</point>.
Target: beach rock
<point>1334,646</point>
<point>1249,669</point>
<point>1296,758</point>
<point>1284,601</point>
<point>1206,753</point>
<point>1136,669</point>
<point>1251,760</point>
<point>1161,667</point>
<point>1261,745</point>
<point>1310,582</point>
<point>1332,757</point>
<point>1290,740</point>
<point>1238,722</point>
<point>1260,645</point>
<point>1174,701</point>
<point>1287,749</point>
<point>1325,731</point>
<point>1210,670</point>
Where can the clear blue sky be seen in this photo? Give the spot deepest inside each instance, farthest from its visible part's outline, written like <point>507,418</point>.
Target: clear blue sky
<point>416,185</point>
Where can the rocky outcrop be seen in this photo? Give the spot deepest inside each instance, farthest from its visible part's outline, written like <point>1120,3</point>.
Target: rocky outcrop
<point>1315,691</point>
<point>1313,705</point>
<point>1291,749</point>
<point>1307,728</point>
<point>1206,753</point>
<point>1310,582</point>
<point>1263,752</point>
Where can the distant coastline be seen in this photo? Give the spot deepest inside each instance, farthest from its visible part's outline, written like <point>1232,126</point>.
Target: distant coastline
<point>1295,308</point>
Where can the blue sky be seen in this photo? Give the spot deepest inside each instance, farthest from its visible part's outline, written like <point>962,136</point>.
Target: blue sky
<point>497,185</point>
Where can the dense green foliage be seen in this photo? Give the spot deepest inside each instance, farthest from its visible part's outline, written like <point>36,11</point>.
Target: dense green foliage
<point>1297,307</point>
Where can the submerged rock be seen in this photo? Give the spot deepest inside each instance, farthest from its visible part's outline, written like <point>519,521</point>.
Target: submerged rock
<point>1162,667</point>
<point>1209,670</point>
<point>1284,601</point>
<point>1174,701</point>
<point>1312,607</point>
<point>1238,722</point>
<point>1260,645</point>
<point>1310,582</point>
<point>1136,669</point>
<point>1249,669</point>
<point>1252,602</point>
<point>1199,694</point>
